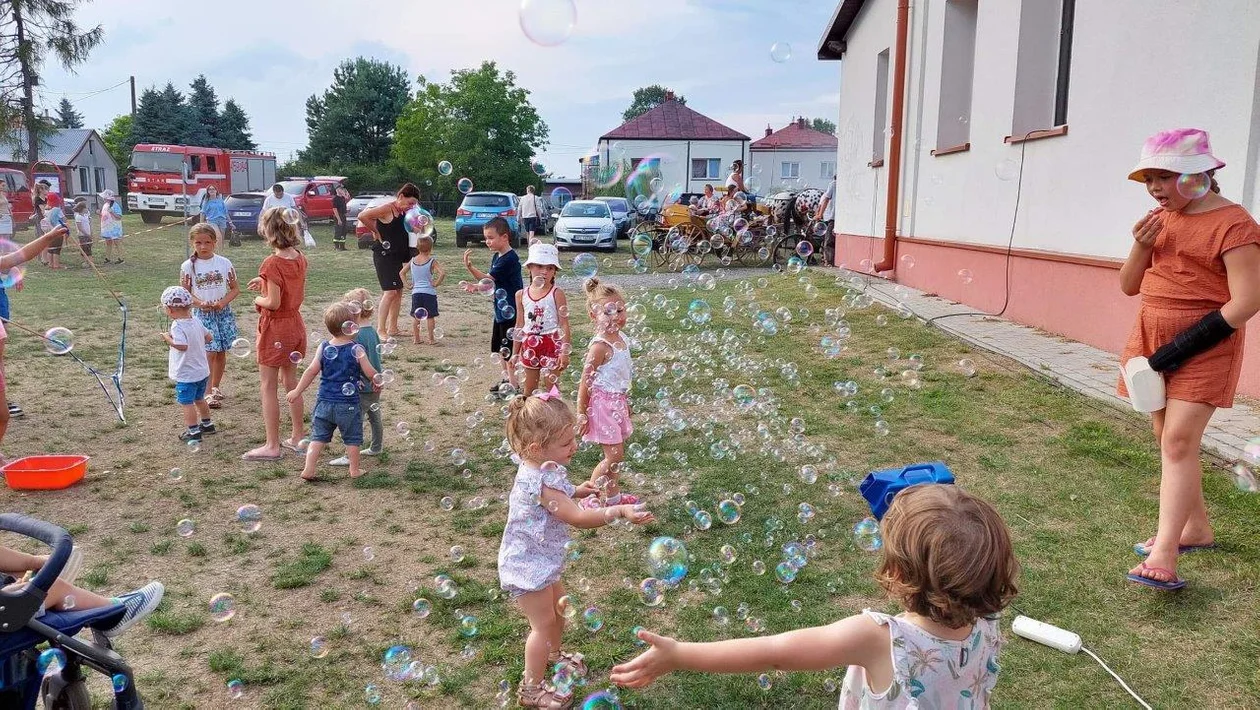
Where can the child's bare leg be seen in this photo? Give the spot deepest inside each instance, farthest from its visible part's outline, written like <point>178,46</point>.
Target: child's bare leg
<point>531,381</point>
<point>296,408</point>
<point>432,325</point>
<point>557,591</point>
<point>312,457</point>
<point>352,453</point>
<point>4,401</point>
<point>609,469</point>
<point>540,609</point>
<point>218,363</point>
<point>190,415</point>
<point>415,331</point>
<point>203,409</point>
<point>59,592</point>
<point>267,382</point>
<point>509,373</point>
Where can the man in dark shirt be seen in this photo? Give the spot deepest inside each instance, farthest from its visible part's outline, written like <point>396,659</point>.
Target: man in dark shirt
<point>505,271</point>
<point>339,214</point>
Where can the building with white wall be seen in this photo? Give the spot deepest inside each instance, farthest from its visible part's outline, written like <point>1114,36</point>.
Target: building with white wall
<point>1040,103</point>
<point>690,149</point>
<point>795,156</point>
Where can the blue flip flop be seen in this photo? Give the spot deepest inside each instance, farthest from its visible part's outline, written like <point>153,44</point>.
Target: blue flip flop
<point>1175,584</point>
<point>1141,550</point>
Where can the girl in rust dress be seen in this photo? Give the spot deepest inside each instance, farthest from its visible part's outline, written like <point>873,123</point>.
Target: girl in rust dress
<point>1196,263</point>
<point>281,343</point>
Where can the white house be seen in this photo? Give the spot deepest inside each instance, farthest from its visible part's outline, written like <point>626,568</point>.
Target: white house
<point>796,156</point>
<point>83,164</point>
<point>962,110</point>
<point>691,149</point>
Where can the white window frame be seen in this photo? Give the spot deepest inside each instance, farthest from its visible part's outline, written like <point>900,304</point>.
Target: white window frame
<point>827,170</point>
<point>879,138</point>
<point>712,167</point>
<point>85,184</point>
<point>789,170</point>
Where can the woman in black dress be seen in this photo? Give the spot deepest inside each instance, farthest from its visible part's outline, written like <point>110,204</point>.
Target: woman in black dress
<point>390,250</point>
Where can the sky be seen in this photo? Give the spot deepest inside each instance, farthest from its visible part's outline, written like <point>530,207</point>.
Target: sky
<point>271,56</point>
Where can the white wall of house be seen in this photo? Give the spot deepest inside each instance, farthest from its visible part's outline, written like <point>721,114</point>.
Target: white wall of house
<point>814,167</point>
<point>676,157</point>
<point>92,170</point>
<point>1138,66</point>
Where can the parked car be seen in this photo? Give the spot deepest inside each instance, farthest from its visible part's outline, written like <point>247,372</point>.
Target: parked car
<point>20,201</point>
<point>549,216</point>
<point>362,234</point>
<point>243,209</point>
<point>621,211</point>
<point>586,223</point>
<point>481,207</point>
<point>359,202</point>
<point>313,195</point>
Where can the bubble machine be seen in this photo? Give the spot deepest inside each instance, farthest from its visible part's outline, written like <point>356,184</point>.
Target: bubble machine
<point>880,487</point>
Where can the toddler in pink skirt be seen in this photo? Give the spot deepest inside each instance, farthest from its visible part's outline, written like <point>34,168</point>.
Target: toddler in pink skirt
<point>603,395</point>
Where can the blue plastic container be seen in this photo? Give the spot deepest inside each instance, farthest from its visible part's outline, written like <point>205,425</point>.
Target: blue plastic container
<point>880,487</point>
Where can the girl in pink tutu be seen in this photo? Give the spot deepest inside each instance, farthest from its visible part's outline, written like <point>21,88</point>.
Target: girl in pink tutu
<point>603,395</point>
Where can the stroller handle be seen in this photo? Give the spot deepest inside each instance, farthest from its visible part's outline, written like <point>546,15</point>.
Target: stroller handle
<point>47,533</point>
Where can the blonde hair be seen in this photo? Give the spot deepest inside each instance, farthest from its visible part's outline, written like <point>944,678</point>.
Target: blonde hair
<point>947,555</point>
<point>80,206</point>
<point>598,292</point>
<point>204,228</point>
<point>537,421</point>
<point>336,315</point>
<point>278,232</point>
<point>363,297</point>
<point>424,245</point>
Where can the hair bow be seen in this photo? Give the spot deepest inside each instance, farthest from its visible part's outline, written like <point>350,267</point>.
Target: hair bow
<point>548,396</point>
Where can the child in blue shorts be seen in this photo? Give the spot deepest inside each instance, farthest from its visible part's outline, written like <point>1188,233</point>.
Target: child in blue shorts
<point>341,364</point>
<point>186,363</point>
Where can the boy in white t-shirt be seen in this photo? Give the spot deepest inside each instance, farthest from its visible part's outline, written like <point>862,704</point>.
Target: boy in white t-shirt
<point>186,362</point>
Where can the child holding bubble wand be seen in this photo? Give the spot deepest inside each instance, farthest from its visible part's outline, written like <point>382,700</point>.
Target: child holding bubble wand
<point>541,508</point>
<point>603,393</point>
<point>281,342</point>
<point>947,559</point>
<point>1196,263</point>
<point>542,342</point>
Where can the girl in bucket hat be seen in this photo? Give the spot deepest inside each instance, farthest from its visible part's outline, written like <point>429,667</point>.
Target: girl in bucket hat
<point>542,342</point>
<point>1196,263</point>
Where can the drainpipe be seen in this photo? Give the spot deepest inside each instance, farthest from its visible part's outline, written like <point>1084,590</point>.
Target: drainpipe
<point>894,150</point>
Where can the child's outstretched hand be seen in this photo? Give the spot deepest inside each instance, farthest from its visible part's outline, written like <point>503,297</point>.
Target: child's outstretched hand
<point>255,284</point>
<point>586,489</point>
<point>637,513</point>
<point>649,665</point>
<point>292,395</point>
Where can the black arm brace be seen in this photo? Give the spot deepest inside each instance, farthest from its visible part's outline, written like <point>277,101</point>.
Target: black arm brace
<point>1201,336</point>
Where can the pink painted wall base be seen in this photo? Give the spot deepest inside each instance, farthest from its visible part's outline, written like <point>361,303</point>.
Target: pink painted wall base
<point>1080,300</point>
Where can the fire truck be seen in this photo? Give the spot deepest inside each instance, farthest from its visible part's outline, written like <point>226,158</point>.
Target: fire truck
<point>171,180</point>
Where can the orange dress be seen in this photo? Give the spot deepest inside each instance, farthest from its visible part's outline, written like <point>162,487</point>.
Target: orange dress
<point>1185,281</point>
<point>281,332</point>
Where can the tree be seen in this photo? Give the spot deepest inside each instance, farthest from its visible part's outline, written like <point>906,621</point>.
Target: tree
<point>117,138</point>
<point>354,120</point>
<point>823,125</point>
<point>67,117</point>
<point>161,117</point>
<point>480,121</point>
<point>648,98</point>
<point>203,114</point>
<point>233,128</point>
<point>29,31</point>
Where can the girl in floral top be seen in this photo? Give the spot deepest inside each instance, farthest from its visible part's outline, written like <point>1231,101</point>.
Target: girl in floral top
<point>947,558</point>
<point>541,508</point>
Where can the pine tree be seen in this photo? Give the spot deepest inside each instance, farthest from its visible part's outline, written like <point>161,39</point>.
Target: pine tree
<point>203,107</point>
<point>233,127</point>
<point>67,117</point>
<point>161,117</point>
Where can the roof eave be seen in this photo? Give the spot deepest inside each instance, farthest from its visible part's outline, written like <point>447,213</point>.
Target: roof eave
<point>833,44</point>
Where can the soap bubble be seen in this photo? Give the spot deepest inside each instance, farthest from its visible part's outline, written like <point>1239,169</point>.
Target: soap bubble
<point>236,689</point>
<point>728,554</point>
<point>786,572</point>
<point>1193,186</point>
<point>721,615</point>
<point>369,554</point>
<point>1251,451</point>
<point>780,52</point>
<point>907,261</point>
<point>652,591</point>
<point>51,661</point>
<point>295,357</point>
<point>701,519</point>
<point>758,567</point>
<point>349,389</point>
<point>58,340</point>
<point>422,607</point>
<point>445,167</point>
<point>372,694</point>
<point>1006,169</point>
<point>866,535</point>
<point>420,313</point>
<point>319,647</point>
<point>176,475</point>
<point>808,474</point>
<point>457,554</point>
<point>585,266</point>
<point>447,503</point>
<point>966,276</point>
<point>641,245</point>
<point>728,511</point>
<point>395,662</point>
<point>468,626</point>
<point>548,22</point>
<point>119,682</point>
<point>249,517</point>
<point>699,311</point>
<point>763,682</point>
<point>465,185</point>
<point>185,528</point>
<point>805,248</point>
<point>292,216</point>
<point>240,347</point>
<point>602,700</point>
<point>593,619</point>
<point>1246,477</point>
<point>222,607</point>
<point>667,560</point>
<point>967,366</point>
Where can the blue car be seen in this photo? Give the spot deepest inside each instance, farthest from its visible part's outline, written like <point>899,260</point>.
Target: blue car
<point>481,207</point>
<point>243,209</point>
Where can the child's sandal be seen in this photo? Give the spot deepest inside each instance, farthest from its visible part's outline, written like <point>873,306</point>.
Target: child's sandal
<point>576,661</point>
<point>539,696</point>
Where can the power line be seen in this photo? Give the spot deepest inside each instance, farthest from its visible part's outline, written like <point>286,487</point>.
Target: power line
<point>84,94</point>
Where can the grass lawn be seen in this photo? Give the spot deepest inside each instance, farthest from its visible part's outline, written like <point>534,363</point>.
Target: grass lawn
<point>343,562</point>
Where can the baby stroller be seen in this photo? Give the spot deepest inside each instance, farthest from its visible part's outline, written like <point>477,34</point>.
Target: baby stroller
<point>21,685</point>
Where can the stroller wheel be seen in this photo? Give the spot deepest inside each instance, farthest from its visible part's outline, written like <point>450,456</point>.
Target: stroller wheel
<point>60,695</point>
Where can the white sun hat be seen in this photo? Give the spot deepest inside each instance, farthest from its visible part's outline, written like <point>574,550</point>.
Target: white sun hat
<point>543,255</point>
<point>1185,151</point>
<point>177,297</point>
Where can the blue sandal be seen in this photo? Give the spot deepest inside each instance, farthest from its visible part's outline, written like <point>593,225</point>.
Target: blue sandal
<point>1172,585</point>
<point>1141,550</point>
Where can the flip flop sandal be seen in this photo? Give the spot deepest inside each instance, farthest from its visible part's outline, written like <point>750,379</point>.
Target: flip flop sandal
<point>1173,585</point>
<point>288,444</point>
<point>1141,550</point>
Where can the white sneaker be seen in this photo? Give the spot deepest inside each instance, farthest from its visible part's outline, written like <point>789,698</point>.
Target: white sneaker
<point>140,604</point>
<point>340,461</point>
<point>371,452</point>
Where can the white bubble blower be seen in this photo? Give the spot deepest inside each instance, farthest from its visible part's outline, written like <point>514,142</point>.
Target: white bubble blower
<point>1065,641</point>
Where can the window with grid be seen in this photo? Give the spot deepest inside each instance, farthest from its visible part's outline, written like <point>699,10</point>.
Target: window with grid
<point>828,170</point>
<point>705,168</point>
<point>789,171</point>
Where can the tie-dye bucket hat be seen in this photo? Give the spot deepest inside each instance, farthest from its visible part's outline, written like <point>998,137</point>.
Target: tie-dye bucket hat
<point>1185,151</point>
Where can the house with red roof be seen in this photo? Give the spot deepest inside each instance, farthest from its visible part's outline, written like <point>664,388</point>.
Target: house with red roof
<point>795,156</point>
<point>688,148</point>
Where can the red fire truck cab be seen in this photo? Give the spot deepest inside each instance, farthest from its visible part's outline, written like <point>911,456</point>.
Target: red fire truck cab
<point>172,179</point>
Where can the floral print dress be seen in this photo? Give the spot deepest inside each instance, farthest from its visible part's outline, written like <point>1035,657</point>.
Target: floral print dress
<point>531,556</point>
<point>929,673</point>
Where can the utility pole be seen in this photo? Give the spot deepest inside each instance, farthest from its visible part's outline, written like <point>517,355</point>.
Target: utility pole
<point>133,96</point>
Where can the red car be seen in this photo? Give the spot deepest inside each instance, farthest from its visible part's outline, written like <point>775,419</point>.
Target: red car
<point>19,197</point>
<point>314,195</point>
